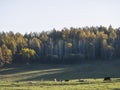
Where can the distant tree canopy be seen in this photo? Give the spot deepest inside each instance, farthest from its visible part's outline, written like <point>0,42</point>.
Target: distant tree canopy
<point>65,46</point>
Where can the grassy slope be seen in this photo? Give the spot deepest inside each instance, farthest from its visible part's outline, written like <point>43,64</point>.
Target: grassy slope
<point>19,76</point>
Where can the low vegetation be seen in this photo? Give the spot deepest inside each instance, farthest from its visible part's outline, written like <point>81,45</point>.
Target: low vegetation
<point>90,84</point>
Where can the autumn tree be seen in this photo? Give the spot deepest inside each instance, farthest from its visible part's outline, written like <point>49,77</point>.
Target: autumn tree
<point>35,44</point>
<point>5,55</point>
<point>10,42</point>
<point>1,57</point>
<point>20,41</point>
<point>27,54</point>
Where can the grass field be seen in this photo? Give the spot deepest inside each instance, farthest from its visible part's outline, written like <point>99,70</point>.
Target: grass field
<point>41,76</point>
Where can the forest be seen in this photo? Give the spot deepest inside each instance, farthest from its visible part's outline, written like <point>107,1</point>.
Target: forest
<point>73,45</point>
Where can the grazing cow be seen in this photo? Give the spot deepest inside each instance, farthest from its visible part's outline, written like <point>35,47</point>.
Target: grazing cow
<point>57,80</point>
<point>82,80</point>
<point>66,80</point>
<point>107,79</point>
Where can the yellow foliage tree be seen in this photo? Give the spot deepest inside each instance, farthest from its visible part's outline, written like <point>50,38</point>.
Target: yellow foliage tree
<point>27,53</point>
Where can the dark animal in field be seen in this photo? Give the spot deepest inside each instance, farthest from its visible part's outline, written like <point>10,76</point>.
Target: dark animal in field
<point>107,79</point>
<point>66,80</point>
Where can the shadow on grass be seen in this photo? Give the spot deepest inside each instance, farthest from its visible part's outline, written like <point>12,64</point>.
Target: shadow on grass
<point>12,69</point>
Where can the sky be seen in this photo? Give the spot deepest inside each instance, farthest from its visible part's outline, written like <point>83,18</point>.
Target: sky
<point>27,16</point>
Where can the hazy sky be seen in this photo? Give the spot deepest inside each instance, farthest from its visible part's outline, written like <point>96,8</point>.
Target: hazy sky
<point>38,15</point>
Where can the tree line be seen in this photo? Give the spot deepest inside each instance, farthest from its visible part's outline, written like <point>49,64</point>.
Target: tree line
<point>71,45</point>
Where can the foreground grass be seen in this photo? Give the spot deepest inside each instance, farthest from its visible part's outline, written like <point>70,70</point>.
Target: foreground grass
<point>41,77</point>
<point>89,84</point>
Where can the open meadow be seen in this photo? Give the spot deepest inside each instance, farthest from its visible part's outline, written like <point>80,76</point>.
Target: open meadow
<point>81,76</point>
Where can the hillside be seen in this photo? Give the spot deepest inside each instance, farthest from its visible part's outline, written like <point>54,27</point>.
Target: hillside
<point>38,72</point>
